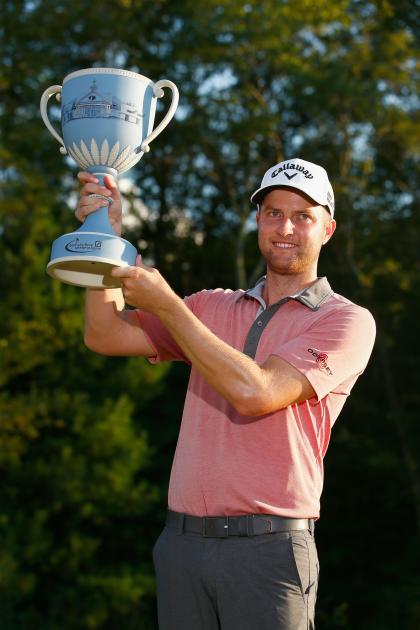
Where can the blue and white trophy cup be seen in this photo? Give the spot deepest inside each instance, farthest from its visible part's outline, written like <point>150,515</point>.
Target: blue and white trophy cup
<point>107,118</point>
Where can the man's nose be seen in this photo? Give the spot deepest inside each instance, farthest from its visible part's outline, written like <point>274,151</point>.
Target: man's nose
<point>285,226</point>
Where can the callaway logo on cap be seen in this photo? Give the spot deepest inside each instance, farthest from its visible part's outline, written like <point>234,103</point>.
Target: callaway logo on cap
<point>310,178</point>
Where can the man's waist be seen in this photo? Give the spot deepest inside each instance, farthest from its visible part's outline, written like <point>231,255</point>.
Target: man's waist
<point>241,525</point>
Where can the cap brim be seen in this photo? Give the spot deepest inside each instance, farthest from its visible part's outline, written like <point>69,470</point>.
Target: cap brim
<point>259,194</point>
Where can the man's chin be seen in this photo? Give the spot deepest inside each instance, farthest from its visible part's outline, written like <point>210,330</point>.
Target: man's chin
<point>290,268</point>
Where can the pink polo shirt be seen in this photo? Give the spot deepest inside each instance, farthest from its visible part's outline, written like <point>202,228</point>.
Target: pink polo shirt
<point>226,463</point>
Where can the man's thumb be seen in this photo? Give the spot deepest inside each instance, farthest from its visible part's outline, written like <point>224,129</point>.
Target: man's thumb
<point>110,182</point>
<point>138,261</point>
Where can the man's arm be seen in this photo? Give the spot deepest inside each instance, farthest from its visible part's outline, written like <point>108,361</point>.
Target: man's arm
<point>109,327</point>
<point>252,389</point>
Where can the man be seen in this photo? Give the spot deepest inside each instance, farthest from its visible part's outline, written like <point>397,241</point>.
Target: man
<point>270,371</point>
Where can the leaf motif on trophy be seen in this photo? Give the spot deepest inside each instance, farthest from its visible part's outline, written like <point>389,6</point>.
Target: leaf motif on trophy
<point>94,151</point>
<point>86,153</point>
<point>74,156</point>
<point>128,163</point>
<point>114,152</point>
<point>77,156</point>
<point>104,152</point>
<point>122,157</point>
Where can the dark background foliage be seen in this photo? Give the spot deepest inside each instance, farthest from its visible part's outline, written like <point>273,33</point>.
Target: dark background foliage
<point>86,441</point>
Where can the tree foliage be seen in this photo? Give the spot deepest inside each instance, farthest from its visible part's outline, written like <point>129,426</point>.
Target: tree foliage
<point>86,441</point>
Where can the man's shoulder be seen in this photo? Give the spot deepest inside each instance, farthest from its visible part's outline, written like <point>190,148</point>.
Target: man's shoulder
<point>336,300</point>
<point>217,292</point>
<point>211,298</point>
<point>339,303</point>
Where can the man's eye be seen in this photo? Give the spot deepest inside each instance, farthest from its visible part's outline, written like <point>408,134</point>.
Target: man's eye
<point>304,216</point>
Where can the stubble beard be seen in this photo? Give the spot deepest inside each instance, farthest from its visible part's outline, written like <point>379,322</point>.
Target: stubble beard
<point>293,267</point>
<point>297,264</point>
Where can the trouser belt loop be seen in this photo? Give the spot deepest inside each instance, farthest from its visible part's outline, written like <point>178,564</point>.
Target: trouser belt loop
<point>249,527</point>
<point>180,523</point>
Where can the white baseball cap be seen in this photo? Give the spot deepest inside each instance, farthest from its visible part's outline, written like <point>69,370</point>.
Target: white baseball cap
<point>310,178</point>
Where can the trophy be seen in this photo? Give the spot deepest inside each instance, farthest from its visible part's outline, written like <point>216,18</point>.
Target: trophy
<point>107,118</point>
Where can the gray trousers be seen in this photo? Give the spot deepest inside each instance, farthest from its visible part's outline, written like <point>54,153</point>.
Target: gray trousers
<point>266,582</point>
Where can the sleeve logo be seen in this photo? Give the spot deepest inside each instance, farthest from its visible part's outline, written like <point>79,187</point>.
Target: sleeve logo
<point>321,360</point>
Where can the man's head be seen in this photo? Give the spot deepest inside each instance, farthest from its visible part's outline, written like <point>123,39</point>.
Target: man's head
<point>294,219</point>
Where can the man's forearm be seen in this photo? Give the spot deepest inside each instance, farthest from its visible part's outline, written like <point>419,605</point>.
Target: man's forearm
<point>234,375</point>
<point>102,312</point>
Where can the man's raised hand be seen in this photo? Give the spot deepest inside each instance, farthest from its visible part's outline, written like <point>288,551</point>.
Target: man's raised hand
<point>144,287</point>
<point>88,204</point>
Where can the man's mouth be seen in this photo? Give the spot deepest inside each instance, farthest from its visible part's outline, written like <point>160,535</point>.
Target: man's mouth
<point>282,245</point>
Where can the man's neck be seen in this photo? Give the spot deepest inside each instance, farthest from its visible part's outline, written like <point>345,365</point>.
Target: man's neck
<point>278,286</point>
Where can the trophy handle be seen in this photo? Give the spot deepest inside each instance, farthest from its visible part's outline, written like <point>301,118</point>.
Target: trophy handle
<point>53,89</point>
<point>158,92</point>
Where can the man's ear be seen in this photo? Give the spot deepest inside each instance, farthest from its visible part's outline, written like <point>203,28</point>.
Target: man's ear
<point>329,230</point>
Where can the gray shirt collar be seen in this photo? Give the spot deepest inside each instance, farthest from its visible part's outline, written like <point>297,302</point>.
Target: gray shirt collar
<point>312,297</point>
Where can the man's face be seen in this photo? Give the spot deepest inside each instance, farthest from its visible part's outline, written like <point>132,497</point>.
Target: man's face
<point>291,231</point>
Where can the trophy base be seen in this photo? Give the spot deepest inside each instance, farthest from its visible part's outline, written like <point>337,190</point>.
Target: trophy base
<point>86,259</point>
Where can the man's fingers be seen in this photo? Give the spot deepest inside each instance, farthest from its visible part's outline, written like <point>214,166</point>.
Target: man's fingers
<point>83,209</point>
<point>125,272</point>
<point>93,199</point>
<point>110,182</point>
<point>131,271</point>
<point>92,186</point>
<point>94,189</point>
<point>95,195</point>
<point>84,177</point>
<point>87,205</point>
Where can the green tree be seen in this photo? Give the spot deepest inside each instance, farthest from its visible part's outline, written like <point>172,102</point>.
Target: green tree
<point>86,441</point>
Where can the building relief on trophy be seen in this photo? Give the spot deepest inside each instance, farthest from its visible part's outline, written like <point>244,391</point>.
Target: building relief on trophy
<point>95,104</point>
<point>114,158</point>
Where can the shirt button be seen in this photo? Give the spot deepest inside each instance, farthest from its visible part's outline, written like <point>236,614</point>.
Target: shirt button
<point>259,323</point>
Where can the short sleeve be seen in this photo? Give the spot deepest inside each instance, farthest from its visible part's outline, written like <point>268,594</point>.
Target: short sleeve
<point>334,351</point>
<point>161,340</point>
